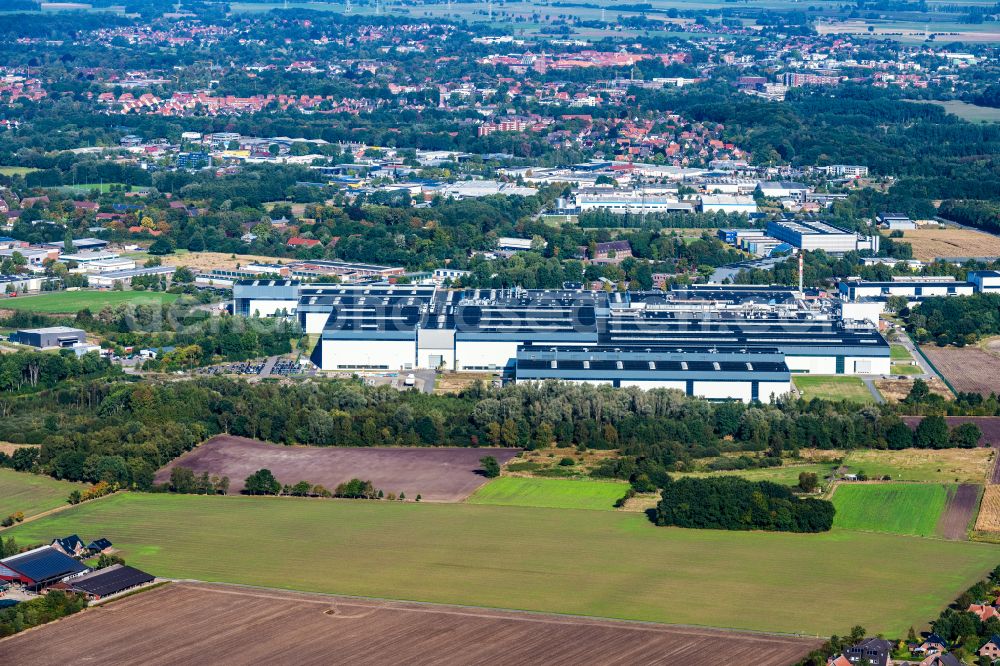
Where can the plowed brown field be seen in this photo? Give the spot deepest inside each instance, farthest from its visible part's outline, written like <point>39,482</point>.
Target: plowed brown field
<point>186,623</point>
<point>442,474</point>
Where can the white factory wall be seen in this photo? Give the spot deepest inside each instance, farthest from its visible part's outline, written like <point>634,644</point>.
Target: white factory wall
<point>376,354</point>
<point>268,307</point>
<point>724,390</point>
<point>816,365</point>
<point>771,391</point>
<point>868,311</point>
<point>477,354</point>
<point>315,321</point>
<point>424,355</point>
<point>867,365</point>
<point>681,386</point>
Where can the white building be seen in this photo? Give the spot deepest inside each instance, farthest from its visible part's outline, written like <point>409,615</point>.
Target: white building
<point>985,282</point>
<point>727,203</point>
<point>813,235</point>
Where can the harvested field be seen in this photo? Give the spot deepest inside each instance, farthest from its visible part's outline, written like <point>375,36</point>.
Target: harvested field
<point>8,448</point>
<point>186,623</point>
<point>894,390</point>
<point>958,512</point>
<point>988,519</point>
<point>436,473</point>
<point>969,369</point>
<point>929,244</point>
<point>453,382</point>
<point>206,261</point>
<point>990,425</point>
<point>925,465</point>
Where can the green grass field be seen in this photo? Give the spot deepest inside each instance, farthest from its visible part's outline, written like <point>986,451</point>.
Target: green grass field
<point>832,388</point>
<point>905,369</point>
<point>899,353</point>
<point>899,508</point>
<point>15,170</point>
<point>32,493</point>
<point>550,493</point>
<point>971,112</point>
<point>786,474</point>
<point>600,563</point>
<point>68,302</point>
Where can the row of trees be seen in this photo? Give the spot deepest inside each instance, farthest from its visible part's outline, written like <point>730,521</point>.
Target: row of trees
<point>121,431</point>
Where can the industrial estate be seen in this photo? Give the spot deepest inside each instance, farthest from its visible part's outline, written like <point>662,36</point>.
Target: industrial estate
<point>501,332</point>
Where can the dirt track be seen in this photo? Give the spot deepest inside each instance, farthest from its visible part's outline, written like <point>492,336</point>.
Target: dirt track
<point>186,623</point>
<point>436,473</point>
<point>954,522</point>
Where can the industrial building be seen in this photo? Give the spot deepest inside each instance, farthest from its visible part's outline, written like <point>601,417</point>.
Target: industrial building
<point>716,373</point>
<point>265,298</point>
<point>389,327</point>
<point>124,278</point>
<point>813,235</point>
<point>911,288</point>
<point>985,282</point>
<point>21,283</point>
<point>53,337</point>
<point>728,203</point>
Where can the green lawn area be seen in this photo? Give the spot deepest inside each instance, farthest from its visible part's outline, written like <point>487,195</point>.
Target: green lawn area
<point>786,474</point>
<point>899,353</point>
<point>941,466</point>
<point>600,563</point>
<point>905,369</point>
<point>32,493</point>
<point>59,302</point>
<point>15,170</point>
<point>550,493</point>
<point>831,387</point>
<point>970,112</point>
<point>900,508</point>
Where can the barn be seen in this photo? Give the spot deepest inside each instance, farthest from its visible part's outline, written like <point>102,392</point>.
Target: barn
<point>39,568</point>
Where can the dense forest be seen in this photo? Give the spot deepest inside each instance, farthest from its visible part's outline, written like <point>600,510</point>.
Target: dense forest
<point>954,321</point>
<point>734,503</point>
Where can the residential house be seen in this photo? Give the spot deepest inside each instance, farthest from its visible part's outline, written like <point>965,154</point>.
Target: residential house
<point>991,648</point>
<point>932,644</point>
<point>71,545</point>
<point>942,659</point>
<point>878,652</point>
<point>298,241</point>
<point>983,611</point>
<point>99,546</point>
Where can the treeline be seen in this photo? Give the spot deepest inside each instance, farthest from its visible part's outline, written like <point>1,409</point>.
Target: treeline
<point>734,503</point>
<point>983,215</point>
<point>964,630</point>
<point>31,371</point>
<point>34,612</point>
<point>954,321</point>
<point>121,432</point>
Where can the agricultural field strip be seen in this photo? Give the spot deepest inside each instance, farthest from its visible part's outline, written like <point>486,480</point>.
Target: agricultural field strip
<point>447,474</point>
<point>409,631</point>
<point>899,508</point>
<point>505,557</point>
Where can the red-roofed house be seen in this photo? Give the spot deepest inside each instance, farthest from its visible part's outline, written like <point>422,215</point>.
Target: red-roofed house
<point>298,241</point>
<point>984,612</point>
